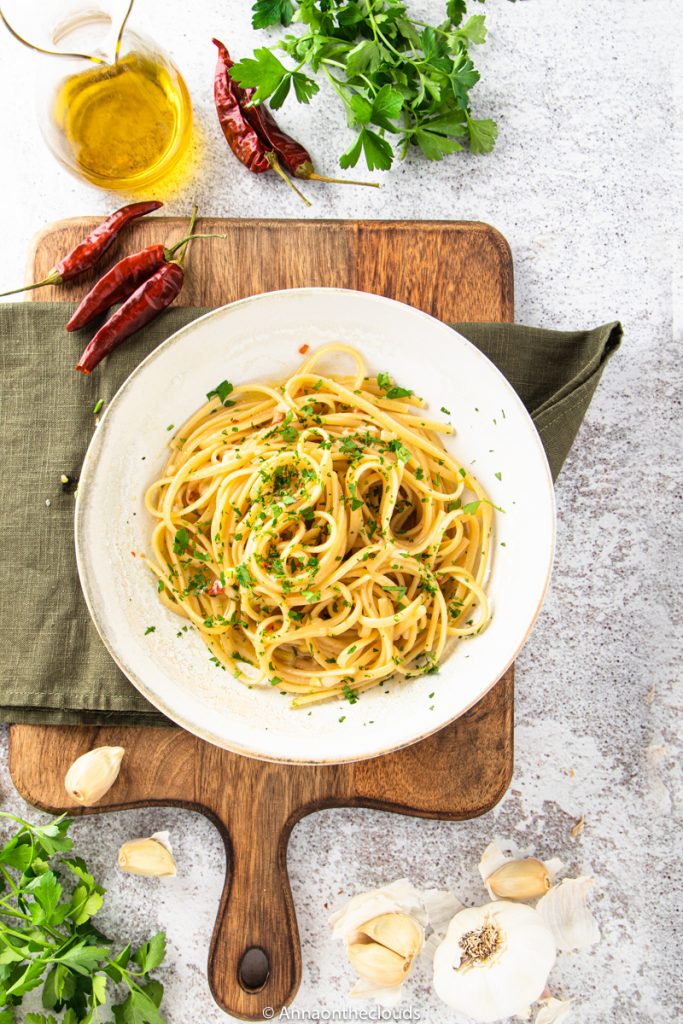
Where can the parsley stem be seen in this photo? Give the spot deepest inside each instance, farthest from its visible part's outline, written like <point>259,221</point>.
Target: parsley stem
<point>338,88</point>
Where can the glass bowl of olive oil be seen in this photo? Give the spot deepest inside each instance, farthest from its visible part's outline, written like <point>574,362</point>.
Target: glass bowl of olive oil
<point>120,122</point>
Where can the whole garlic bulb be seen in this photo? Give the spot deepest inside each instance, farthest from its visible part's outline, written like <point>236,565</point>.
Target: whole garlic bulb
<point>494,961</point>
<point>93,774</point>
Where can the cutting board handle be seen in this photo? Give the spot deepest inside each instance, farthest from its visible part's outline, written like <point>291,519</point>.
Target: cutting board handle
<point>255,959</point>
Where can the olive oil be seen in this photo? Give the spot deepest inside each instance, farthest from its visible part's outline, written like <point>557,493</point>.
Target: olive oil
<point>126,124</point>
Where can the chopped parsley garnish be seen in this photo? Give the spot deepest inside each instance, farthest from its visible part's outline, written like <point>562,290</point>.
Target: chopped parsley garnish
<point>399,450</point>
<point>97,406</point>
<point>498,476</point>
<point>181,542</point>
<point>150,629</point>
<point>244,577</point>
<point>311,595</point>
<point>445,411</point>
<point>349,694</point>
<point>221,392</point>
<point>349,447</point>
<point>399,591</point>
<point>462,472</point>
<point>392,390</point>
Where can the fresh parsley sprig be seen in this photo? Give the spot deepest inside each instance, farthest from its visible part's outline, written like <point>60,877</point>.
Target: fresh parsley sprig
<point>47,937</point>
<point>402,83</point>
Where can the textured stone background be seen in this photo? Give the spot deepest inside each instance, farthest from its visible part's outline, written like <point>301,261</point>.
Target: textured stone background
<point>586,184</point>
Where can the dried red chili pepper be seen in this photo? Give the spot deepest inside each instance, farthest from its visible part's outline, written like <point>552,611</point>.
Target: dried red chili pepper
<point>294,156</point>
<point>88,252</point>
<point>253,133</point>
<point>249,146</point>
<point>118,283</point>
<point>153,296</point>
<point>242,138</point>
<point>144,303</point>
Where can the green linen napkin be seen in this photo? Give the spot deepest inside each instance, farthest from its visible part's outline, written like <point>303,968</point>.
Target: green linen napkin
<point>55,668</point>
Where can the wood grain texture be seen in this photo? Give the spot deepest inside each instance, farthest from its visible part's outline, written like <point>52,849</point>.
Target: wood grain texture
<point>455,271</point>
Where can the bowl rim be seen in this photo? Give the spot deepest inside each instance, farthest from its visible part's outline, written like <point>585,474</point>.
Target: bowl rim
<point>88,469</point>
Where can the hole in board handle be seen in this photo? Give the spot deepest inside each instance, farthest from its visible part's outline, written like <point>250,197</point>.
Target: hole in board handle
<point>254,969</point>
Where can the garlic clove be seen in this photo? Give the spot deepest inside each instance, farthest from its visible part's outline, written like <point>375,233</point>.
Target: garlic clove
<point>377,963</point>
<point>398,932</point>
<point>93,774</point>
<point>150,857</point>
<point>520,880</point>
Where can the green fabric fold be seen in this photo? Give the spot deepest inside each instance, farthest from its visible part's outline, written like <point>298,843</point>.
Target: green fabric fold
<point>55,669</point>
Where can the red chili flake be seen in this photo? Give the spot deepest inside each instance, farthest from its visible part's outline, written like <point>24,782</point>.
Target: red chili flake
<point>215,589</point>
<point>304,349</point>
<point>133,554</point>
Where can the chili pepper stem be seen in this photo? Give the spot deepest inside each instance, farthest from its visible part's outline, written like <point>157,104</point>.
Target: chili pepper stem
<point>186,241</point>
<point>275,164</point>
<point>341,181</point>
<point>52,279</point>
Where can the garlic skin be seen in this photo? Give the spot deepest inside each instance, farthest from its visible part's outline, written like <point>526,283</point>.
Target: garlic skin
<point>494,961</point>
<point>151,858</point>
<point>400,896</point>
<point>520,880</point>
<point>93,774</point>
<point>566,913</point>
<point>553,1010</point>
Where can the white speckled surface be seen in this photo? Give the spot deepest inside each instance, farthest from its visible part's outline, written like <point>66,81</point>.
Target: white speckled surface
<point>586,184</point>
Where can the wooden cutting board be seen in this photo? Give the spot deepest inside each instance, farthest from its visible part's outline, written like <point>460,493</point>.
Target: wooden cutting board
<point>455,271</point>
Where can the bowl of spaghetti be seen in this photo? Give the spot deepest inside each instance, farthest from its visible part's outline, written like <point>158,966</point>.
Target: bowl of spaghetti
<point>342,522</point>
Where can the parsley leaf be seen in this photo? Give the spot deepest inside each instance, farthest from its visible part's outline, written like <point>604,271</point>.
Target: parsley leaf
<point>392,390</point>
<point>221,392</point>
<point>272,12</point>
<point>403,85</point>
<point>244,577</point>
<point>400,450</point>
<point>483,135</point>
<point>47,938</point>
<point>181,541</point>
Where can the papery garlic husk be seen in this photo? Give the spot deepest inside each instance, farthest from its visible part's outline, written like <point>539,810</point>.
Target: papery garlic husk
<point>553,1010</point>
<point>494,961</point>
<point>93,774</point>
<point>520,880</point>
<point>565,911</point>
<point>400,896</point>
<point>151,857</point>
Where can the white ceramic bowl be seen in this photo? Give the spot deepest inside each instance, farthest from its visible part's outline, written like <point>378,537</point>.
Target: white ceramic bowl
<point>258,339</point>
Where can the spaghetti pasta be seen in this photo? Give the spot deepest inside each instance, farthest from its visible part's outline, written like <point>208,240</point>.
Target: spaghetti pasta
<point>317,533</point>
